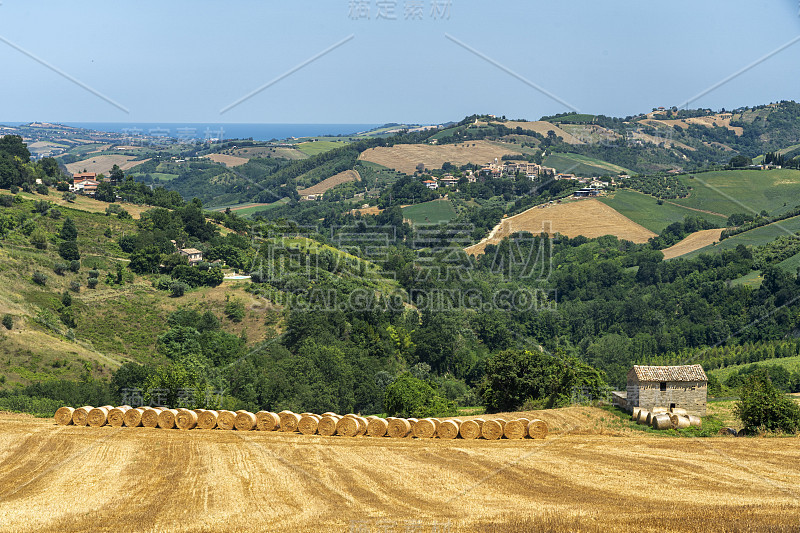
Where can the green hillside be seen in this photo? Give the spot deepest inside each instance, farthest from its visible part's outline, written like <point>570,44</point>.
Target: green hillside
<point>754,237</point>
<point>433,212</point>
<point>743,191</point>
<point>582,165</point>
<point>644,210</point>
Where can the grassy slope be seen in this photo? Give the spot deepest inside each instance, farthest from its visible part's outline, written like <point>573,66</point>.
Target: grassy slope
<point>792,364</point>
<point>743,191</point>
<point>318,147</point>
<point>755,237</point>
<point>433,212</point>
<point>597,167</point>
<point>644,210</point>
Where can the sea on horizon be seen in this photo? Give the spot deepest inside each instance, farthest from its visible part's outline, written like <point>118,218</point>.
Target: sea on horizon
<point>187,131</point>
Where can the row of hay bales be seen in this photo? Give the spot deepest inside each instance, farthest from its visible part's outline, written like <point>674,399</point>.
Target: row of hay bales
<point>326,424</point>
<point>663,418</point>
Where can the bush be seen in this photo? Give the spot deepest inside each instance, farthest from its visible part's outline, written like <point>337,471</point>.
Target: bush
<point>41,206</point>
<point>6,200</point>
<point>42,189</point>
<point>178,288</point>
<point>234,309</point>
<point>74,286</point>
<point>13,189</point>
<point>75,266</point>
<point>54,213</point>
<point>92,283</point>
<point>8,321</point>
<point>59,268</point>
<point>412,397</point>
<point>762,407</point>
<point>94,273</point>
<point>38,238</point>
<point>69,196</point>
<point>69,250</point>
<point>39,278</point>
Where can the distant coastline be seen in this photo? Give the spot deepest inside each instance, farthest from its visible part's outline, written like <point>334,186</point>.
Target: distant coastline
<point>258,132</point>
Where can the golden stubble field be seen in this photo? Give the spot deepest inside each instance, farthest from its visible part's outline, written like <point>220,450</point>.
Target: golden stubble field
<point>589,217</point>
<point>55,478</point>
<point>406,157</point>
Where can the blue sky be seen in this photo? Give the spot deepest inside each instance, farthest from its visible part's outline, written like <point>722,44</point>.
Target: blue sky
<point>185,61</point>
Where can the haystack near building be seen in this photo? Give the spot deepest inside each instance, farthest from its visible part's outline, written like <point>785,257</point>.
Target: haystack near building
<point>683,387</point>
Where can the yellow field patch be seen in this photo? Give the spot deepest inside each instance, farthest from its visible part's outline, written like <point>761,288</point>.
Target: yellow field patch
<point>330,183</point>
<point>589,218</point>
<point>143,479</point>
<point>406,157</point>
<point>227,160</point>
<point>695,241</point>
<point>102,164</point>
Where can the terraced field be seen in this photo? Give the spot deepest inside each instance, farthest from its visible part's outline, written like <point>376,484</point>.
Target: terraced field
<point>586,476</point>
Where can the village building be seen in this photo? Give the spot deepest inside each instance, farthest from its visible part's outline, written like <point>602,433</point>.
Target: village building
<point>683,387</point>
<point>193,254</point>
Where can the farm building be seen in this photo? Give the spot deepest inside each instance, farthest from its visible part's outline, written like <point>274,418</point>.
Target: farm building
<point>683,387</point>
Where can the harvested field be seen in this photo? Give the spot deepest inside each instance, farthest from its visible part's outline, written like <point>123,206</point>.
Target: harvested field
<point>406,157</point>
<point>140,479</point>
<point>590,218</point>
<point>227,160</point>
<point>709,122</point>
<point>695,241</point>
<point>102,163</point>
<point>542,127</point>
<point>372,210</point>
<point>330,183</point>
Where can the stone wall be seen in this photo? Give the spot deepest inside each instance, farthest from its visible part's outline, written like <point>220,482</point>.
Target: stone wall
<point>689,395</point>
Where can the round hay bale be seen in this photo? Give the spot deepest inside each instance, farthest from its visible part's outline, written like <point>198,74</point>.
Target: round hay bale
<point>537,429</point>
<point>289,421</point>
<point>267,421</point>
<point>363,424</point>
<point>660,410</point>
<point>642,416</point>
<point>661,421</point>
<point>635,413</point>
<point>331,414</point>
<point>186,419</point>
<point>679,421</point>
<point>502,422</point>
<point>347,427</point>
<point>695,421</point>
<point>327,425</point>
<point>492,430</point>
<point>516,429</point>
<point>150,417</point>
<point>398,428</point>
<point>425,428</point>
<point>728,431</point>
<point>116,416</point>
<point>308,424</point>
<point>80,415</point>
<point>649,419</point>
<point>166,418</point>
<point>245,421</point>
<point>133,418</point>
<point>207,419</point>
<point>99,416</point>
<point>471,429</point>
<point>413,422</point>
<point>377,427</point>
<point>63,416</point>
<point>226,420</point>
<point>678,411</point>
<point>449,429</point>
<point>743,433</point>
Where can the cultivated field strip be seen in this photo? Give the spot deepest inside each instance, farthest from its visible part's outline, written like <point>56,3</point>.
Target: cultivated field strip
<point>326,424</point>
<point>68,478</point>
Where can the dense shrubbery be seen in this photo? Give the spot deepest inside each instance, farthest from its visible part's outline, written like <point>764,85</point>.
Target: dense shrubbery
<point>762,407</point>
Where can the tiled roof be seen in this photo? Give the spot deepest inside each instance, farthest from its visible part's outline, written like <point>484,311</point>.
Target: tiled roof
<point>670,373</point>
<point>191,251</point>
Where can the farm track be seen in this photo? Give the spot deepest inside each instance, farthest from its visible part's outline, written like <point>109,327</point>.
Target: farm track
<point>55,478</point>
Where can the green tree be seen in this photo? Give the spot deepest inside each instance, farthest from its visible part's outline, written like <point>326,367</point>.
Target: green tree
<point>105,192</point>
<point>234,309</point>
<point>68,230</point>
<point>69,250</point>
<point>408,396</point>
<point>762,407</point>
